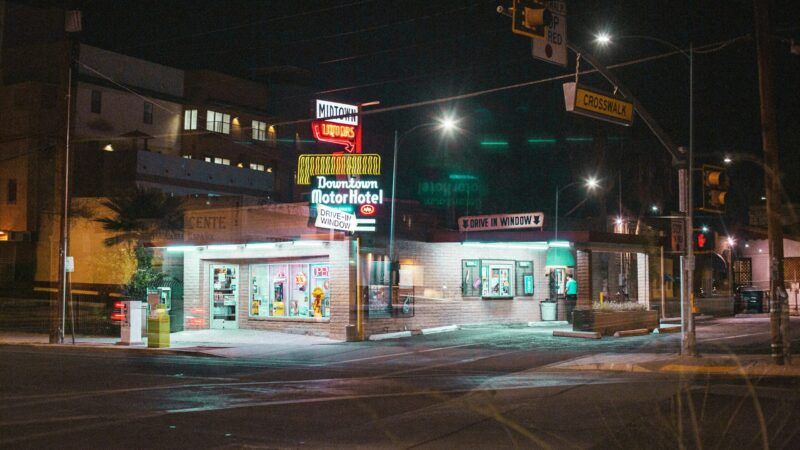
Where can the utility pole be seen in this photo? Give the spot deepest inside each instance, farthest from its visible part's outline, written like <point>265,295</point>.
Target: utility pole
<point>769,139</point>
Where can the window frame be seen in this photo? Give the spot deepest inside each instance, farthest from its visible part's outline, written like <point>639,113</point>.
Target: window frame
<point>12,191</point>
<point>259,130</point>
<point>96,102</point>
<point>218,122</point>
<point>190,119</point>
<point>147,113</point>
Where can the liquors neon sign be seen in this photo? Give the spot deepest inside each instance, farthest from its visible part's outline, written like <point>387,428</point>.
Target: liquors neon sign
<point>337,123</point>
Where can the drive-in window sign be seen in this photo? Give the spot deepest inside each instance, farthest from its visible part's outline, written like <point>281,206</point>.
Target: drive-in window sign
<point>335,219</point>
<point>592,103</point>
<point>501,221</point>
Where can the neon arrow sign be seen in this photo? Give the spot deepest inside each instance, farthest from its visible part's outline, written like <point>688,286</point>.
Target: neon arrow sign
<point>335,133</point>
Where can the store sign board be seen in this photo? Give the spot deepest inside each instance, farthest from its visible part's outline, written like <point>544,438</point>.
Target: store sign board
<point>331,112</point>
<point>592,103</point>
<point>356,194</point>
<point>553,48</point>
<point>501,222</point>
<point>309,166</point>
<point>334,219</point>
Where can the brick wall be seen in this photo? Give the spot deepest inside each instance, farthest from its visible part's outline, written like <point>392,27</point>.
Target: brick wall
<point>438,299</point>
<point>584,278</point>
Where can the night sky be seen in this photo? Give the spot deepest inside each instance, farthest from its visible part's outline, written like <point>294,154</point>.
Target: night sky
<point>408,51</point>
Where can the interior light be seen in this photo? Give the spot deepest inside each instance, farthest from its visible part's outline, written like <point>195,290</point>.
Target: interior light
<point>223,247</point>
<point>255,245</point>
<point>559,244</point>
<point>181,248</point>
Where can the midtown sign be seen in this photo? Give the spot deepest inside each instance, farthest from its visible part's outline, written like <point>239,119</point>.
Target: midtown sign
<point>501,222</point>
<point>337,123</point>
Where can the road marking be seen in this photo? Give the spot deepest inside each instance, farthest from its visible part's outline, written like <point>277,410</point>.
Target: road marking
<point>688,368</point>
<point>368,358</point>
<point>734,337</point>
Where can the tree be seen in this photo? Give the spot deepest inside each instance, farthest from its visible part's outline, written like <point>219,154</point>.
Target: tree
<point>136,220</point>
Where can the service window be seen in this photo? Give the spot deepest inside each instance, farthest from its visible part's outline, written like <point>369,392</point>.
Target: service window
<point>471,277</point>
<point>497,279</point>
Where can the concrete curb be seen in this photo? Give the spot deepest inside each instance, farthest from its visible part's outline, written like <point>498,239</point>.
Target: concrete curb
<point>637,332</point>
<point>678,319</point>
<point>577,334</point>
<point>435,330</point>
<point>548,323</point>
<point>117,348</point>
<point>383,336</point>
<point>675,329</point>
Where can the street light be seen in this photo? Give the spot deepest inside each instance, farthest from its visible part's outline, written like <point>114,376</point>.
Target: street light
<point>448,124</point>
<point>688,341</point>
<point>591,184</point>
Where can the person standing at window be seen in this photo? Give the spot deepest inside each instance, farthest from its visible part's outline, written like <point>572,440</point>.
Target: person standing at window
<point>571,290</point>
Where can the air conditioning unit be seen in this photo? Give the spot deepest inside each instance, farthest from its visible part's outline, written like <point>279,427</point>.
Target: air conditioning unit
<point>19,236</point>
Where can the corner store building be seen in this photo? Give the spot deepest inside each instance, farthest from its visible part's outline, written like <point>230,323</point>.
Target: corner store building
<point>446,280</point>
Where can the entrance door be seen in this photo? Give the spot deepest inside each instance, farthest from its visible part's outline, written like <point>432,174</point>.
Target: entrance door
<point>224,296</point>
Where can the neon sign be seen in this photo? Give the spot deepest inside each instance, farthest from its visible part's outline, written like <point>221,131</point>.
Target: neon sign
<point>347,192</point>
<point>342,164</point>
<point>337,123</point>
<point>335,133</point>
<point>367,210</point>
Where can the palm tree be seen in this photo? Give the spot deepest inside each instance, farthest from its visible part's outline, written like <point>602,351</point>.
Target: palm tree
<point>137,219</point>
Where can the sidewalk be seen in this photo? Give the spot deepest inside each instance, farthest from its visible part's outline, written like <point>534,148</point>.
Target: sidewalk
<point>718,364</point>
<point>222,343</point>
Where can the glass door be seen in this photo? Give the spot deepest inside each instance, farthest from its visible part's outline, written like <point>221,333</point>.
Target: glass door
<point>224,296</point>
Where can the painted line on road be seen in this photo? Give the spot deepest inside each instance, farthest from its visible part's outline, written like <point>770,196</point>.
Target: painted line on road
<point>368,358</point>
<point>733,337</point>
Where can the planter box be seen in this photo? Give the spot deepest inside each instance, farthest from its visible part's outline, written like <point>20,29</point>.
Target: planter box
<point>608,323</point>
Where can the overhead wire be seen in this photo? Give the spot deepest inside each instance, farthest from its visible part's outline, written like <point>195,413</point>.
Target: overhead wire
<point>245,25</point>
<point>369,29</point>
<point>483,92</point>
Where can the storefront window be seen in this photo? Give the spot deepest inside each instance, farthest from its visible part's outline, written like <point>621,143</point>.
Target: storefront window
<point>290,290</point>
<point>496,279</point>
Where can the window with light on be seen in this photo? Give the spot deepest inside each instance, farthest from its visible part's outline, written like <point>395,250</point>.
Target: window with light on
<point>290,290</point>
<point>218,122</point>
<point>190,119</point>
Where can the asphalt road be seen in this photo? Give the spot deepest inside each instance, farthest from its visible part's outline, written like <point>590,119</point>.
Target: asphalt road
<point>485,387</point>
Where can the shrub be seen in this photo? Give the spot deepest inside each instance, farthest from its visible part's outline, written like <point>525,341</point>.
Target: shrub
<point>618,306</point>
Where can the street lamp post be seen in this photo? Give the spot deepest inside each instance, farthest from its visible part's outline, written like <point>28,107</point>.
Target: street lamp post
<point>590,183</point>
<point>688,337</point>
<point>446,124</point>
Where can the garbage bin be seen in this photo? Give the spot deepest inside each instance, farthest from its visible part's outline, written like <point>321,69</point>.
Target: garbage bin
<point>752,301</point>
<point>548,310</point>
<point>158,328</point>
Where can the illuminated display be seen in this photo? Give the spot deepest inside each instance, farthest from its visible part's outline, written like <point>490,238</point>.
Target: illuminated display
<point>343,164</point>
<point>335,133</point>
<point>367,210</point>
<point>337,123</point>
<point>346,192</point>
<point>326,110</point>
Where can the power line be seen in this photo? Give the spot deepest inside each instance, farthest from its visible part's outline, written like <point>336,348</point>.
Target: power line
<point>245,25</point>
<point>453,98</point>
<point>330,36</point>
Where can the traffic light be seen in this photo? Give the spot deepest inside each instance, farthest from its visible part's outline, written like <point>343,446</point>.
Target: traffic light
<point>715,188</point>
<point>703,240</point>
<point>529,18</point>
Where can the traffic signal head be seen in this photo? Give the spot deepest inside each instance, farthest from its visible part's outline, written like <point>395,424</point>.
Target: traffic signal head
<point>715,188</point>
<point>530,17</point>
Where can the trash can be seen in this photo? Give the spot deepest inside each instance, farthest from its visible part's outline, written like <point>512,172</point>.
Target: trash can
<point>548,310</point>
<point>752,301</point>
<point>158,328</point>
